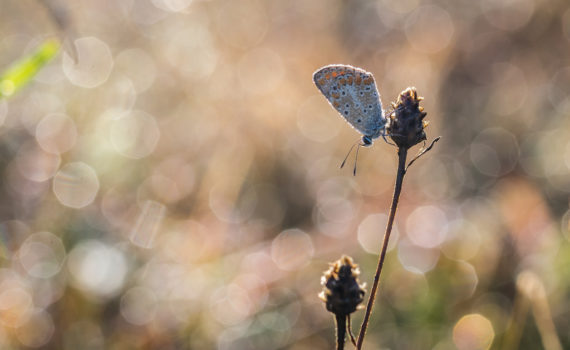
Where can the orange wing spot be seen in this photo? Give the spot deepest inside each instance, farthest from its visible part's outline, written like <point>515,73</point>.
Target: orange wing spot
<point>342,72</point>
<point>336,104</point>
<point>327,77</point>
<point>349,79</point>
<point>334,74</point>
<point>342,81</point>
<point>368,81</point>
<point>335,95</point>
<point>321,82</point>
<point>358,79</point>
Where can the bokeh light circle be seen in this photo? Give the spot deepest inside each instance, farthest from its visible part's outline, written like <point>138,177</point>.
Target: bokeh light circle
<point>510,89</point>
<point>94,65</point>
<point>97,268</point>
<point>16,301</point>
<point>495,151</point>
<point>37,330</point>
<point>292,249</point>
<point>508,14</point>
<point>173,179</point>
<point>120,94</point>
<point>242,23</point>
<point>559,89</point>
<point>144,13</point>
<point>334,214</point>
<point>463,280</point>
<point>138,305</point>
<point>316,120</point>
<point>42,254</point>
<point>76,185</point>
<point>261,71</point>
<point>371,232</point>
<point>230,305</point>
<point>172,5</point>
<point>473,332</point>
<point>426,226</point>
<point>138,66</point>
<point>429,29</point>
<point>56,133</point>
<point>393,13</point>
<point>35,164</point>
<point>463,240</point>
<point>192,51</point>
<point>417,259</point>
<point>135,135</point>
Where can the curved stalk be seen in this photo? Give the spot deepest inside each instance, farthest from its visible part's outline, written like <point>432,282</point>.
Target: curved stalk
<point>402,155</point>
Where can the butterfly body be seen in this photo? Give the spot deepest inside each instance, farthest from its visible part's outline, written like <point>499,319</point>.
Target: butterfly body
<point>353,93</point>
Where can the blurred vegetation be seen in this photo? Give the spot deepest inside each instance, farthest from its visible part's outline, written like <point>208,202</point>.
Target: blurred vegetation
<point>170,180</point>
<point>22,71</point>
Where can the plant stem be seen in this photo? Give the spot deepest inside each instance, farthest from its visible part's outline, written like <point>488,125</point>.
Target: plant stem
<point>340,330</point>
<point>402,155</point>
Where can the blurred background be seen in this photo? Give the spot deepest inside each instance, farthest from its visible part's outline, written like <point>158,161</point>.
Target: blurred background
<point>170,179</point>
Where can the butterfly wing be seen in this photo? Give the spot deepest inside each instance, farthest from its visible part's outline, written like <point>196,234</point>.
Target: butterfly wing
<point>353,93</point>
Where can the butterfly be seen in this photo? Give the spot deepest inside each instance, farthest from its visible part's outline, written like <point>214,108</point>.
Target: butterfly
<point>352,92</point>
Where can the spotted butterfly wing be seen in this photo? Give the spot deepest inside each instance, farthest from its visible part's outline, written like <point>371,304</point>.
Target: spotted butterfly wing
<point>353,93</point>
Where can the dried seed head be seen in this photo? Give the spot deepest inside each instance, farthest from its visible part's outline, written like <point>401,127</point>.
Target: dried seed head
<point>342,293</point>
<point>406,126</point>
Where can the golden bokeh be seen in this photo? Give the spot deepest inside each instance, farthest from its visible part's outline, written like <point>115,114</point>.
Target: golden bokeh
<point>170,179</point>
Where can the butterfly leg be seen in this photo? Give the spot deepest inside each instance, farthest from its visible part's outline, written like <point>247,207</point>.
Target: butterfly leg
<point>386,140</point>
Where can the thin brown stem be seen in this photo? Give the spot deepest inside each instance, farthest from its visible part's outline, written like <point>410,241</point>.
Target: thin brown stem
<point>340,330</point>
<point>349,326</point>
<point>402,155</point>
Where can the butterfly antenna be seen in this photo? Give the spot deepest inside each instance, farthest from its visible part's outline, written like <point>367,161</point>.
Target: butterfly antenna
<point>345,158</point>
<point>356,159</point>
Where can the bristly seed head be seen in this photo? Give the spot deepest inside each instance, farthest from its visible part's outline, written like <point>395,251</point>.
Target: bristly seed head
<point>406,126</point>
<point>342,293</point>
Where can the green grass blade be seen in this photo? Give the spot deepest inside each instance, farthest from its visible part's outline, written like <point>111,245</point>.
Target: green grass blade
<point>21,72</point>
